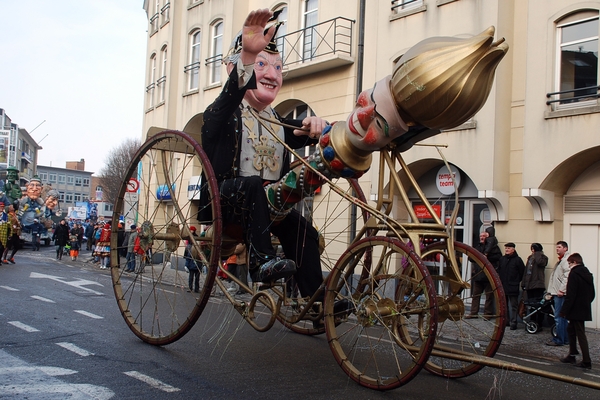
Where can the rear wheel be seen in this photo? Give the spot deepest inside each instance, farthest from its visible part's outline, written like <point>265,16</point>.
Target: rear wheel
<point>160,194</point>
<point>455,334</point>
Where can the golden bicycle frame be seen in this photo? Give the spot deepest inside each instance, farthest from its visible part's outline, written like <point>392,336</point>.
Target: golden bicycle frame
<point>405,284</point>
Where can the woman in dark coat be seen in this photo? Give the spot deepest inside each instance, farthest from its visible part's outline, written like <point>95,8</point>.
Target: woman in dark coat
<point>577,309</point>
<point>61,237</point>
<point>534,278</point>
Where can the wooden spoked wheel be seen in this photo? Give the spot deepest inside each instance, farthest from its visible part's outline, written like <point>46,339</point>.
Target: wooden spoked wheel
<point>160,194</point>
<point>479,336</point>
<point>380,313</point>
<point>336,219</point>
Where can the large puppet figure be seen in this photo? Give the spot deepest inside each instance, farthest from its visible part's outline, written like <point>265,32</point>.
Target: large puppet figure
<point>437,84</point>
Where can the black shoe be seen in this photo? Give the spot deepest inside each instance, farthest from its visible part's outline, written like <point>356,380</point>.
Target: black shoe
<point>584,365</point>
<point>568,360</point>
<point>274,269</point>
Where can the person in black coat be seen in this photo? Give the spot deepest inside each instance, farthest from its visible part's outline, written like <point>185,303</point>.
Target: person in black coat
<point>511,269</point>
<point>577,309</point>
<point>480,284</point>
<point>245,156</point>
<point>61,237</point>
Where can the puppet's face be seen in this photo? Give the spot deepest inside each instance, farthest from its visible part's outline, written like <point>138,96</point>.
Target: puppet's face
<point>365,123</point>
<point>34,190</point>
<point>51,202</point>
<point>269,77</point>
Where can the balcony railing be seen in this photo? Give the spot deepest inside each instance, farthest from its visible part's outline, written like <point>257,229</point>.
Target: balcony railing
<point>573,96</point>
<point>332,37</point>
<point>401,5</point>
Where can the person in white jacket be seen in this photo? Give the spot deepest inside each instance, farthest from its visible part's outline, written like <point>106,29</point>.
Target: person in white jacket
<point>557,287</point>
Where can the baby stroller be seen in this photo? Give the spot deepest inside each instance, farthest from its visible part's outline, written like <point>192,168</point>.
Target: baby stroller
<point>538,309</point>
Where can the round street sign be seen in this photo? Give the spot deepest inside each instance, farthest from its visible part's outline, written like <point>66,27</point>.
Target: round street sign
<point>133,185</point>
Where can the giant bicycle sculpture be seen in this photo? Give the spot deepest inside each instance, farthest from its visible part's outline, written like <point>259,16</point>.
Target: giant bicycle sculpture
<point>406,283</point>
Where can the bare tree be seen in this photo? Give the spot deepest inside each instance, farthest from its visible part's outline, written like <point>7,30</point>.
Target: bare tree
<point>113,173</point>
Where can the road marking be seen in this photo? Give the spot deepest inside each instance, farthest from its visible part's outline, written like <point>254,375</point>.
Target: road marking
<point>21,325</point>
<point>50,371</point>
<point>88,314</point>
<point>594,375</point>
<point>75,349</point>
<point>12,289</point>
<point>524,359</point>
<point>21,380</point>
<point>155,383</point>
<point>79,283</point>
<point>43,299</point>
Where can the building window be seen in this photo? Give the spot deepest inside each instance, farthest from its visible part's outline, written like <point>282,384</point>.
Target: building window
<point>281,32</point>
<point>401,5</point>
<point>77,181</point>
<point>154,18</point>
<point>152,78</point>
<point>61,196</point>
<point>77,197</point>
<point>193,68</point>
<point>216,52</point>
<point>577,80</point>
<point>61,179</point>
<point>86,181</point>
<point>70,180</point>
<point>164,12</point>
<point>52,178</point>
<point>162,81</point>
<point>300,112</point>
<point>310,37</point>
<point>69,198</point>
<point>108,207</point>
<point>43,176</point>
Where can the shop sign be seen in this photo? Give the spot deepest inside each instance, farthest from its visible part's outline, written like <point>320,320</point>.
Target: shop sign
<point>163,193</point>
<point>423,213</point>
<point>194,185</point>
<point>444,181</point>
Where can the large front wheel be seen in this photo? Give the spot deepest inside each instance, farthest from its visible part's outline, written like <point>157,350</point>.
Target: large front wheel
<point>160,194</point>
<point>380,313</point>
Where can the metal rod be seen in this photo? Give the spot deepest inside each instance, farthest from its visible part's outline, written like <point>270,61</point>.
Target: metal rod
<point>509,366</point>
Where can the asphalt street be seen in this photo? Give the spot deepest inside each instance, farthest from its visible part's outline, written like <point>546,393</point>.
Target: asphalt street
<point>62,336</point>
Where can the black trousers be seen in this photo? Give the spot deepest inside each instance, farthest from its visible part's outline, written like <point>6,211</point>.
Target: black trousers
<point>244,202</point>
<point>576,332</point>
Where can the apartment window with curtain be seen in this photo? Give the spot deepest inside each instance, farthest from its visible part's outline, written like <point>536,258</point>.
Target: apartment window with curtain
<point>151,84</point>
<point>282,30</point>
<point>577,80</point>
<point>214,61</point>
<point>193,68</point>
<point>162,81</point>
<point>310,19</point>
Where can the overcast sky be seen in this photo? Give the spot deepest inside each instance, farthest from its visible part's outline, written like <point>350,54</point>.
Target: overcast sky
<point>79,66</point>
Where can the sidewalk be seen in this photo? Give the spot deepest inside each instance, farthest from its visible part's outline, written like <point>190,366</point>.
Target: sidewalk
<point>534,345</point>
